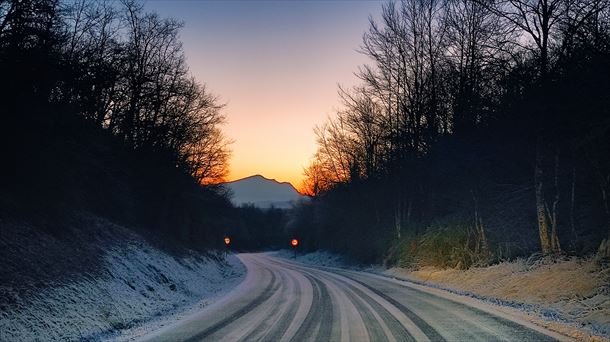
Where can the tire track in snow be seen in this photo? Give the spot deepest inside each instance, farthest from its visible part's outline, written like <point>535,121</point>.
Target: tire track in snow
<point>397,329</point>
<point>287,301</point>
<point>373,327</point>
<point>285,313</point>
<point>475,324</point>
<point>432,334</point>
<point>267,292</point>
<point>466,323</point>
<point>281,326</point>
<point>318,322</point>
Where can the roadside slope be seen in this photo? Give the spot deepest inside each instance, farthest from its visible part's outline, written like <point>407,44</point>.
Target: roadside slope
<point>99,281</point>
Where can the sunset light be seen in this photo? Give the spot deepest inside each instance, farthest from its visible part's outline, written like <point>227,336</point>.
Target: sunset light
<point>276,65</point>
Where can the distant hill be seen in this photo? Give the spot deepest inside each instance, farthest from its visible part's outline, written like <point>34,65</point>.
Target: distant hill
<point>263,192</point>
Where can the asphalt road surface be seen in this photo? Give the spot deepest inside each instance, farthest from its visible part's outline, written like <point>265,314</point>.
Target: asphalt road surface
<point>285,301</point>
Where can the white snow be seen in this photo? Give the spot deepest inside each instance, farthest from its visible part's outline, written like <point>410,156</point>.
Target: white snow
<point>317,258</point>
<point>136,284</point>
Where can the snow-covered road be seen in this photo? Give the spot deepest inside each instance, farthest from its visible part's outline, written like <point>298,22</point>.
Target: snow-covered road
<point>285,301</point>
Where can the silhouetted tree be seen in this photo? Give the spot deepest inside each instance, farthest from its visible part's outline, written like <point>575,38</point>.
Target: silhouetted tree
<point>100,113</point>
<point>462,100</point>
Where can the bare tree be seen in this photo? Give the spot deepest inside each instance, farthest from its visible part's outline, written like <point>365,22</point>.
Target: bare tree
<point>544,25</point>
<point>129,75</point>
<point>478,53</point>
<point>206,151</point>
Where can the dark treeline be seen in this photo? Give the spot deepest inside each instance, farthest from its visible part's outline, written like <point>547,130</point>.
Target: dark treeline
<point>479,132</point>
<point>256,229</point>
<point>100,114</point>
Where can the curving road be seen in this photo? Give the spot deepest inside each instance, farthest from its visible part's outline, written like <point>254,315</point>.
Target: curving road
<point>284,301</point>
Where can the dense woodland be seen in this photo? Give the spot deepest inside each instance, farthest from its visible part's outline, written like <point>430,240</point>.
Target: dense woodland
<point>479,132</point>
<point>100,115</point>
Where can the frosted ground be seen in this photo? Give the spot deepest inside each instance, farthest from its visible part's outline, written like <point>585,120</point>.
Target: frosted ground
<point>318,258</point>
<point>135,288</point>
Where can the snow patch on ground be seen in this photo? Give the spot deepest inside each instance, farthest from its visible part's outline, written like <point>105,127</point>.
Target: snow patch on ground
<point>318,258</point>
<point>135,289</point>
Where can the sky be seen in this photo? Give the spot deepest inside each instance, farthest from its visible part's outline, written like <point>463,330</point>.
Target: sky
<point>276,65</point>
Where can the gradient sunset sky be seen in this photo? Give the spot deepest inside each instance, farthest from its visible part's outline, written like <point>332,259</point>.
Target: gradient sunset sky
<point>276,65</point>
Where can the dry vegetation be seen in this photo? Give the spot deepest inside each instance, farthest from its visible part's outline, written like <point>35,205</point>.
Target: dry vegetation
<point>577,290</point>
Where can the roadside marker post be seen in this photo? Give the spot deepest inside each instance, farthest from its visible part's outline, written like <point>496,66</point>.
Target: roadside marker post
<point>294,243</point>
<point>227,243</point>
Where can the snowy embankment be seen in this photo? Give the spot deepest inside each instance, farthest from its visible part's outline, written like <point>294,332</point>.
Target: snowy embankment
<point>128,286</point>
<point>569,296</point>
<point>317,258</point>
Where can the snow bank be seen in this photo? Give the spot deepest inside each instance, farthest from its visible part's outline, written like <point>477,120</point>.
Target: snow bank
<point>319,258</point>
<point>133,284</point>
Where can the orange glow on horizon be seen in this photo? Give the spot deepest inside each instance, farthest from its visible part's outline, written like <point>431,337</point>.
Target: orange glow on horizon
<point>276,68</point>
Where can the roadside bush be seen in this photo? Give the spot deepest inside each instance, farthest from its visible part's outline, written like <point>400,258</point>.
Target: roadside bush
<point>403,252</point>
<point>445,245</point>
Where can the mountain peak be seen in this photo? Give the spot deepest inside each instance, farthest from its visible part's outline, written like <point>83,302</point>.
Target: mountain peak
<point>262,178</point>
<point>256,176</point>
<point>263,192</point>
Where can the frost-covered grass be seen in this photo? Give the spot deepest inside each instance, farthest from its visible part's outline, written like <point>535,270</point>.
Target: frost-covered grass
<point>132,284</point>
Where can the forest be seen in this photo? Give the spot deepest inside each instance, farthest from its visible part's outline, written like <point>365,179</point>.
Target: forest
<point>479,132</point>
<point>101,115</point>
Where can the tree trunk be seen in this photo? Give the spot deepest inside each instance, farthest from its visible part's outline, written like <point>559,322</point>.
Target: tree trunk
<point>604,248</point>
<point>555,246</point>
<point>409,211</point>
<point>572,203</point>
<point>604,182</point>
<point>543,229</point>
<point>398,218</point>
<point>481,246</point>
